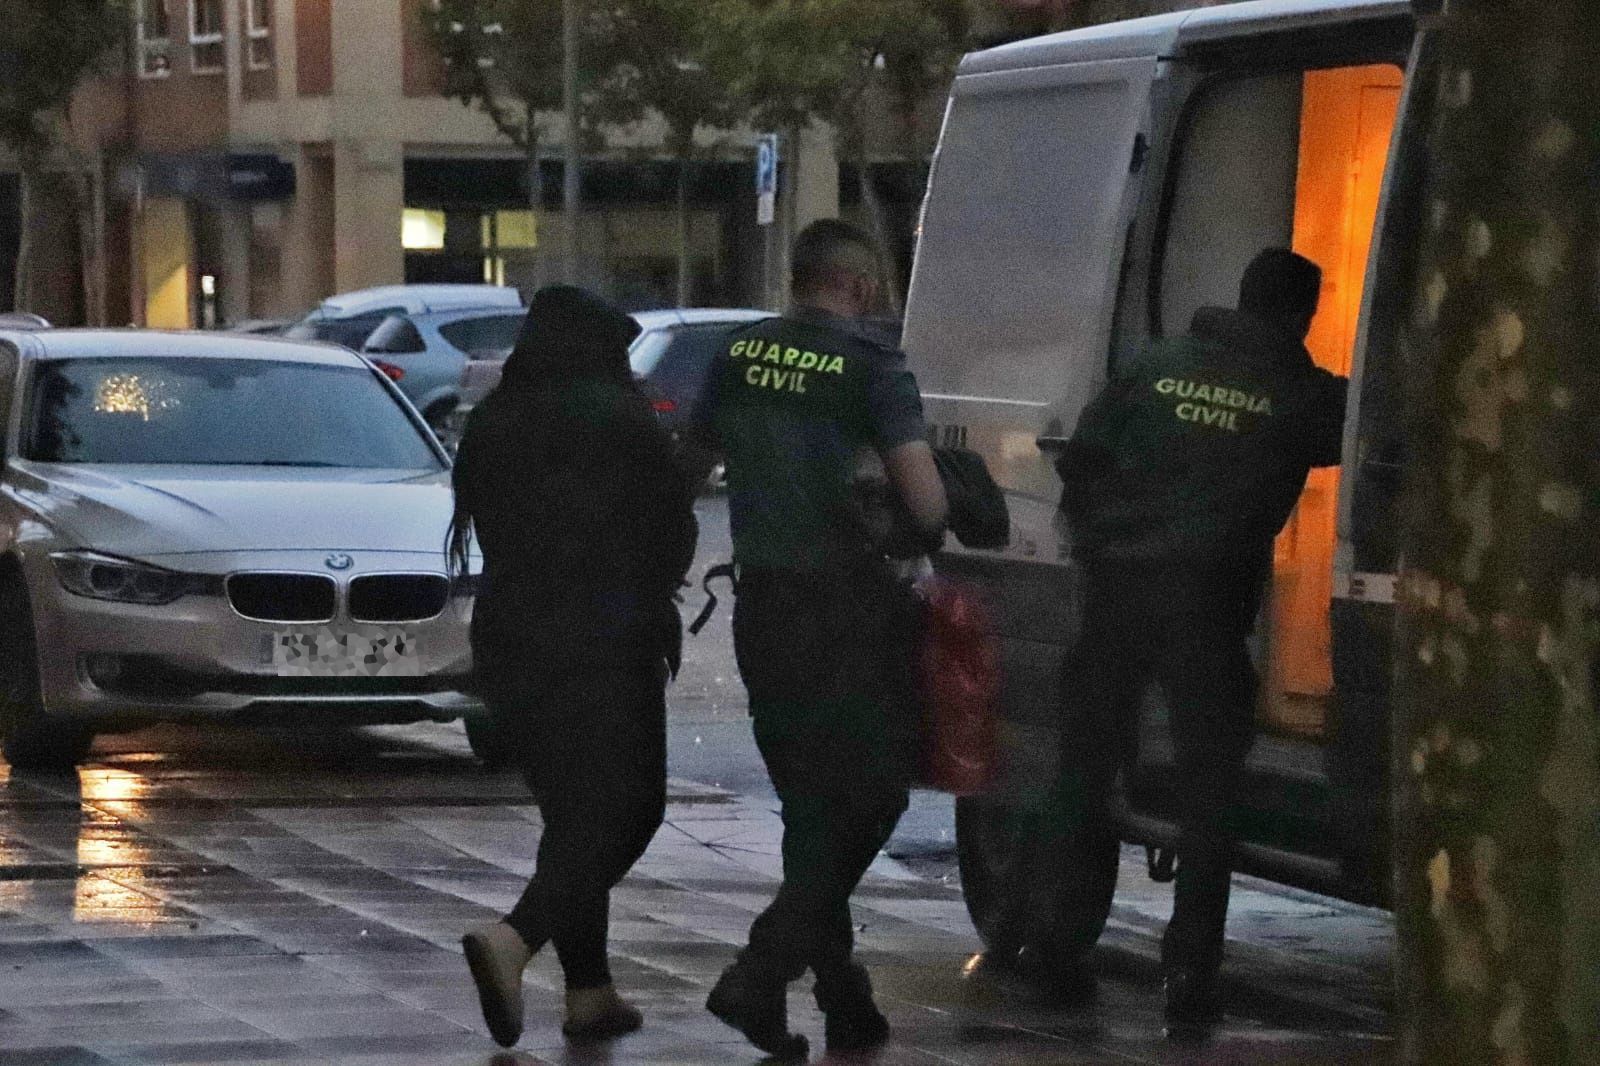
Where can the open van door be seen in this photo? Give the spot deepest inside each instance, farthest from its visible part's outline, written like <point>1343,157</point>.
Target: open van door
<point>1040,165</point>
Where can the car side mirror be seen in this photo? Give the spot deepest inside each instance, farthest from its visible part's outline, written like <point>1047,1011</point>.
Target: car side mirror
<point>396,335</point>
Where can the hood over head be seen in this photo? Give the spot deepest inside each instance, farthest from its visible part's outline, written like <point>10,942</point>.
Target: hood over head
<point>570,334</point>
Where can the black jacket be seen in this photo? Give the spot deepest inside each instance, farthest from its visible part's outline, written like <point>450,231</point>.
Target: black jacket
<point>585,520</point>
<point>1200,449</point>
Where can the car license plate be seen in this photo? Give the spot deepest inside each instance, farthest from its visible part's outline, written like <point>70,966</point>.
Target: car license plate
<point>322,651</point>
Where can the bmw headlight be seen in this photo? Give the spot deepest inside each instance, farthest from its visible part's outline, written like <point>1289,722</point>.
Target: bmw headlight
<point>104,577</point>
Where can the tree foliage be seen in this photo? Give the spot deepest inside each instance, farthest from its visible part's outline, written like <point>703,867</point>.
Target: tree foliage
<point>656,55</point>
<point>503,57</point>
<point>792,61</point>
<point>46,49</point>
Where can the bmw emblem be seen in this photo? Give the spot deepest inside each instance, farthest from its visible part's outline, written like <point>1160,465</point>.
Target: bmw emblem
<point>339,561</point>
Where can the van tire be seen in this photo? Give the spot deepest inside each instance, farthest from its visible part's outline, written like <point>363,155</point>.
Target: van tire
<point>1006,883</point>
<point>32,742</point>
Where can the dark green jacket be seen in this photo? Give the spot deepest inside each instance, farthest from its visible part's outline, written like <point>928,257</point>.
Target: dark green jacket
<point>1199,450</point>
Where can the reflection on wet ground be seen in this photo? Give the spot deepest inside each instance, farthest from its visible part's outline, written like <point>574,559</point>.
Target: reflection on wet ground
<point>295,896</point>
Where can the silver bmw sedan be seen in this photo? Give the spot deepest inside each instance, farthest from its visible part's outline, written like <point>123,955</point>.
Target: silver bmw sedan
<point>202,526</point>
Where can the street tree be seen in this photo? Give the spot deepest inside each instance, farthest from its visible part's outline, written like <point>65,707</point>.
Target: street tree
<point>504,57</point>
<point>655,58</point>
<point>1497,739</point>
<point>47,47</point>
<point>795,62</point>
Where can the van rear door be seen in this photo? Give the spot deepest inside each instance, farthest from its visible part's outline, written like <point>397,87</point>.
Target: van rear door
<point>1008,318</point>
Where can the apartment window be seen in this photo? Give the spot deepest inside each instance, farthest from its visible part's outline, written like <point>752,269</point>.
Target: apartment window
<point>153,29</point>
<point>207,53</point>
<point>258,33</point>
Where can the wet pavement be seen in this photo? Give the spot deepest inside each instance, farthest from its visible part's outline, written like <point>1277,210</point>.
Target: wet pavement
<point>297,896</point>
<point>216,895</point>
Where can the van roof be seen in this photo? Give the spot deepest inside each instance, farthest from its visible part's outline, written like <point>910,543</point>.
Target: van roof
<point>1160,35</point>
<point>415,299</point>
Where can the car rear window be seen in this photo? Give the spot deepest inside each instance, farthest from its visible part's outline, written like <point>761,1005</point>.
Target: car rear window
<point>350,332</point>
<point>483,334</point>
<point>677,359</point>
<point>201,411</point>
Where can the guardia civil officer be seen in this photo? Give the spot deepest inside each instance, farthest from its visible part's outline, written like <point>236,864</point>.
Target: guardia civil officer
<point>586,525</point>
<point>1177,480</point>
<point>820,625</point>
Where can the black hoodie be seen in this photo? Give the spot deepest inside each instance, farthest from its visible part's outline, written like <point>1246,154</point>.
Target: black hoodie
<point>585,521</point>
<point>1200,450</point>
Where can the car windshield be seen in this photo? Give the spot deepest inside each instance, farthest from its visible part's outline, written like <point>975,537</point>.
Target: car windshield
<point>237,412</point>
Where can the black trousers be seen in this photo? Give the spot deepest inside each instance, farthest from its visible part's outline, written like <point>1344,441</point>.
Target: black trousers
<point>1185,627</point>
<point>592,745</point>
<point>826,661</point>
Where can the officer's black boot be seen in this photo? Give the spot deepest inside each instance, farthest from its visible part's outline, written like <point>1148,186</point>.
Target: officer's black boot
<point>754,1000</point>
<point>853,1021</point>
<point>1191,994</point>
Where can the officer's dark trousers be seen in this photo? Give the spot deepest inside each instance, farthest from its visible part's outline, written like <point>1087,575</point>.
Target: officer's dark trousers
<point>825,660</point>
<point>1184,626</point>
<point>592,746</point>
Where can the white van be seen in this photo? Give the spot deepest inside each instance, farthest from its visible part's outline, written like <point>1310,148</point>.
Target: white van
<point>1091,190</point>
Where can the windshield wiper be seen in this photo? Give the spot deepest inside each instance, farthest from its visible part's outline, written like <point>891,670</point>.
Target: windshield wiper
<point>293,462</point>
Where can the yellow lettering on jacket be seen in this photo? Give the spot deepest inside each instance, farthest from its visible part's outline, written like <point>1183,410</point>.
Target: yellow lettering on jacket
<point>1219,396</point>
<point>765,377</point>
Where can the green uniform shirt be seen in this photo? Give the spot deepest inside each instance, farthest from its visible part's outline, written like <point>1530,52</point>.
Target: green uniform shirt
<point>1200,449</point>
<point>790,403</point>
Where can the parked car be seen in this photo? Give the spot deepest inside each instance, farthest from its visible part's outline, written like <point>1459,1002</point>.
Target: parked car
<point>23,320</point>
<point>273,327</point>
<point>350,317</point>
<point>671,354</point>
<point>426,353</point>
<point>674,351</point>
<point>204,526</point>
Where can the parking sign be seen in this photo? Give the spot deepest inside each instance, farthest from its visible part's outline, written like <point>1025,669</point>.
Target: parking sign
<point>766,178</point>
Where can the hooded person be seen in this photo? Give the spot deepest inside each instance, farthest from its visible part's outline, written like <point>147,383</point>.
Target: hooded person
<point>585,522</point>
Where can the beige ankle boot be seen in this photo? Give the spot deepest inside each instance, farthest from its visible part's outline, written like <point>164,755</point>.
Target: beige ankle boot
<point>599,1014</point>
<point>497,955</point>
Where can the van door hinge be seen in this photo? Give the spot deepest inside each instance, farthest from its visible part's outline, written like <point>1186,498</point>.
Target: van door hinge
<point>1141,151</point>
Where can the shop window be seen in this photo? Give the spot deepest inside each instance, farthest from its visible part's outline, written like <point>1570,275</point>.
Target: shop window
<point>258,34</point>
<point>153,30</point>
<point>207,52</point>
<point>516,229</point>
<point>421,230</point>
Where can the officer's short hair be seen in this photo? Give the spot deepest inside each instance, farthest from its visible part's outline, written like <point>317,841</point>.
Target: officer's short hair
<point>827,248</point>
<point>1278,281</point>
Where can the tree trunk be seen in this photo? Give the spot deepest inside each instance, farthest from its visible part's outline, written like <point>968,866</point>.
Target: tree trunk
<point>1497,740</point>
<point>530,147</point>
<point>49,281</point>
<point>882,234</point>
<point>570,13</point>
<point>685,257</point>
<point>22,283</point>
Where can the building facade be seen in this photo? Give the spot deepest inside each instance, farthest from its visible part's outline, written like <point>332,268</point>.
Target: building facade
<point>250,157</point>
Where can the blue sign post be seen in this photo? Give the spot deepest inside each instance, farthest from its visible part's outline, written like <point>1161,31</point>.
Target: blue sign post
<point>766,178</point>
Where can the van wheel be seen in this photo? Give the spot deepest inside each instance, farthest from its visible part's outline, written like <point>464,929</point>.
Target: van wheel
<point>488,742</point>
<point>32,742</point>
<point>1011,866</point>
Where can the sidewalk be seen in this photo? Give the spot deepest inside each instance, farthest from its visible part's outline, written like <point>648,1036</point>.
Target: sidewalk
<point>238,918</point>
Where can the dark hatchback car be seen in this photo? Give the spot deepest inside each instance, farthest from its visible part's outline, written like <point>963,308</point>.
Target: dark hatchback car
<point>673,353</point>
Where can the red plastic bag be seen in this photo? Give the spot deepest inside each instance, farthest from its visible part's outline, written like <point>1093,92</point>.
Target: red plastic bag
<point>958,672</point>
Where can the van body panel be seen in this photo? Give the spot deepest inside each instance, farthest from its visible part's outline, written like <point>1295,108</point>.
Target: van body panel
<point>1273,16</point>
<point>1064,215</point>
